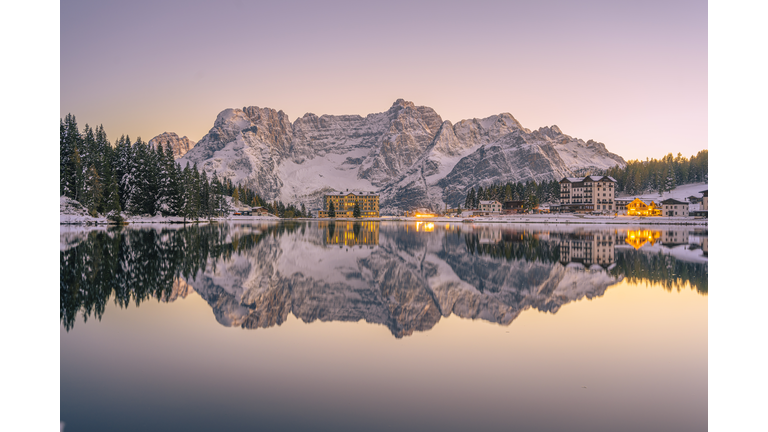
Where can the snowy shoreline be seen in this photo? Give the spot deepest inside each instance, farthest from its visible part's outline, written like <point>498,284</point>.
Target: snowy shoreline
<point>564,219</point>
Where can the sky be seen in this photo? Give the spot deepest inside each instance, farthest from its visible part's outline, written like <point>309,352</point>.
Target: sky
<point>632,75</point>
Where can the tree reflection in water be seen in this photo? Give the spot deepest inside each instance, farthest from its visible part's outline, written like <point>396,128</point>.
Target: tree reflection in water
<point>399,276</point>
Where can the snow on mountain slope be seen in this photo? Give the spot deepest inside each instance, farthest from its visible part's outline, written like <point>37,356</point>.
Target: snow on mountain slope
<point>407,153</point>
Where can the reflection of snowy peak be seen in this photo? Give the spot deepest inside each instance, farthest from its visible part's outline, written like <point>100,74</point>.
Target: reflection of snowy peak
<point>408,153</point>
<point>407,282</point>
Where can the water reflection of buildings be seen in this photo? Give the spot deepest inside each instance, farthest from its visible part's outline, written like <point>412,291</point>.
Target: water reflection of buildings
<point>639,238</point>
<point>351,233</point>
<point>588,248</point>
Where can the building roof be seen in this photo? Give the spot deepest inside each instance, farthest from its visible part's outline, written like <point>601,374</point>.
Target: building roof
<point>356,193</point>
<point>704,192</point>
<point>489,202</point>
<point>673,201</point>
<point>592,178</point>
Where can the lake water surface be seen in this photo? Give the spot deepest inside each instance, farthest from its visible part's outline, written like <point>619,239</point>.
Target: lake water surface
<point>383,326</point>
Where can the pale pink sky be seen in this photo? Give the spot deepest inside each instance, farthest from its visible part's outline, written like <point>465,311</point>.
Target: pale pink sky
<point>632,75</point>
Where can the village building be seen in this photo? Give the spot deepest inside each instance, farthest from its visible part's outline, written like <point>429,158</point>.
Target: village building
<point>673,207</point>
<point>344,204</point>
<point>705,200</point>
<point>510,207</point>
<point>259,211</point>
<point>490,208</point>
<point>621,204</point>
<point>639,208</point>
<point>419,212</point>
<point>588,194</point>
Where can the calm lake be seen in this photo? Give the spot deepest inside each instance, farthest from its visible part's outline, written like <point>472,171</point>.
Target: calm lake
<point>374,326</point>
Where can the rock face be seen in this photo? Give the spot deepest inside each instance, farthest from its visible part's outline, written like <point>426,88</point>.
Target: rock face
<point>180,146</point>
<point>407,153</point>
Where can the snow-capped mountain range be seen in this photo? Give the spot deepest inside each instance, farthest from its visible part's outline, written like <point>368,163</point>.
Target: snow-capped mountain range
<point>408,154</point>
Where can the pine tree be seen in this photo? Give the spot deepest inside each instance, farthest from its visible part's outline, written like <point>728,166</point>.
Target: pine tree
<point>331,210</point>
<point>112,201</point>
<point>236,197</point>
<point>356,210</point>
<point>188,207</point>
<point>72,172</point>
<point>92,191</point>
<point>205,205</point>
<point>531,202</point>
<point>469,203</point>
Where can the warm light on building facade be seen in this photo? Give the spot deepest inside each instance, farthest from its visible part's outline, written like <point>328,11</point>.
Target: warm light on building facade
<point>344,204</point>
<point>639,208</point>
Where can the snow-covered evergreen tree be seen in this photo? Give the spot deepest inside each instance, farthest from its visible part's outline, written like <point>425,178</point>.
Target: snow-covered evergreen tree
<point>92,191</point>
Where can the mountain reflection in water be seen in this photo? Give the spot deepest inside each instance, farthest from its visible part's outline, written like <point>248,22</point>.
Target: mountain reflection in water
<point>405,276</point>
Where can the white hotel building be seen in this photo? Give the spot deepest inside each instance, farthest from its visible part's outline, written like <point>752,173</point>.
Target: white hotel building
<point>588,194</point>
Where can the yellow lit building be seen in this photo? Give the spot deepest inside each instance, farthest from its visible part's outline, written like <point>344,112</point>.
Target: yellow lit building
<point>344,204</point>
<point>639,208</point>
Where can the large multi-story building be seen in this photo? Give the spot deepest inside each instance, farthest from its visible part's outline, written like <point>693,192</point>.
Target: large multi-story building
<point>588,194</point>
<point>344,204</point>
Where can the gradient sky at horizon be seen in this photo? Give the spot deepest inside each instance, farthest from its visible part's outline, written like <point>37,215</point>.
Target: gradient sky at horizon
<point>632,75</point>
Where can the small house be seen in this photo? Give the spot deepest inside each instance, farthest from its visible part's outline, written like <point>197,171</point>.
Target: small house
<point>640,208</point>
<point>673,207</point>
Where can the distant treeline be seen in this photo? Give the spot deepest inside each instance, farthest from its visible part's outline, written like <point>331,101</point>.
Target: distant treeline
<point>530,192</point>
<point>654,175</point>
<point>140,179</point>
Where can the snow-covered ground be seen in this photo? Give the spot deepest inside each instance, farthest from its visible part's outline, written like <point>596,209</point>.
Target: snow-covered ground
<point>679,193</point>
<point>569,218</point>
<point>72,212</point>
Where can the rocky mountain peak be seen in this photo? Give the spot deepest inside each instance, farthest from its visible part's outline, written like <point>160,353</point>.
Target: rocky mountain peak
<point>180,146</point>
<point>402,103</point>
<point>407,153</point>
